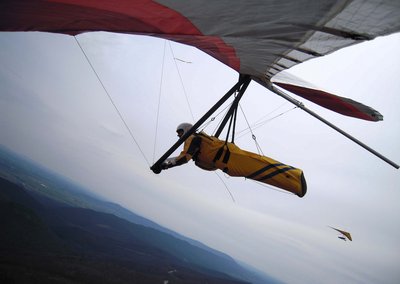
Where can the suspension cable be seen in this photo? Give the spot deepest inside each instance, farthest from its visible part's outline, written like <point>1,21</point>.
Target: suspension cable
<point>112,102</point>
<point>225,110</point>
<point>205,125</point>
<point>180,78</point>
<point>260,152</point>
<point>272,187</point>
<point>160,91</point>
<point>230,193</point>
<point>256,125</point>
<point>159,103</point>
<point>260,120</point>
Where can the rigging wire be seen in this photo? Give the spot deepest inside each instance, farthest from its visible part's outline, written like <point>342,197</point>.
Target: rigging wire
<point>230,193</point>
<point>160,90</point>
<point>272,187</point>
<point>159,103</point>
<point>260,152</point>
<point>252,134</point>
<point>182,60</point>
<point>206,124</point>
<point>191,112</point>
<point>256,125</point>
<point>203,127</point>
<point>180,78</point>
<point>188,104</point>
<point>112,102</point>
<point>260,120</point>
<point>250,128</point>
<point>226,109</point>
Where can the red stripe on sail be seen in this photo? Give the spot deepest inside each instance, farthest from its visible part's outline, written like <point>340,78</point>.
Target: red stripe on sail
<point>144,17</point>
<point>335,103</point>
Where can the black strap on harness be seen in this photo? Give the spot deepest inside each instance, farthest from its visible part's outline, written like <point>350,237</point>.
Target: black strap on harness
<point>219,154</point>
<point>194,147</point>
<point>231,116</point>
<point>232,113</point>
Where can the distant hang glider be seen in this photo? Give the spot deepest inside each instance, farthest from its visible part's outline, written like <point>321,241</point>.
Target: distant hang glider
<point>259,38</point>
<point>344,234</point>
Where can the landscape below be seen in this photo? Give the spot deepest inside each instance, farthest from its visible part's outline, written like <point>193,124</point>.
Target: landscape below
<point>53,231</point>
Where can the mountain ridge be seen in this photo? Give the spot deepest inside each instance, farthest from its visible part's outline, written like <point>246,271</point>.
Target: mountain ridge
<point>58,197</point>
<point>90,239</point>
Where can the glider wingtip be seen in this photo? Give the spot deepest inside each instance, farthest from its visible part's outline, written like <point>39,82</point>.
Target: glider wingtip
<point>377,116</point>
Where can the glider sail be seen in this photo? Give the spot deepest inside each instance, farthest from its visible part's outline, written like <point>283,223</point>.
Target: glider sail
<point>256,38</point>
<point>344,233</point>
<point>330,101</point>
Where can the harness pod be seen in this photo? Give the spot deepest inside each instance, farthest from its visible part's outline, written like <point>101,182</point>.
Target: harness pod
<point>218,154</point>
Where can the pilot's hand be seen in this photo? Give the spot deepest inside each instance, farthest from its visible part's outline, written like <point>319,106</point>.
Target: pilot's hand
<point>166,165</point>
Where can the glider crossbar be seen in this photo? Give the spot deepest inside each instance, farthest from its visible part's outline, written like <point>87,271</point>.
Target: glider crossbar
<point>243,80</point>
<point>301,105</point>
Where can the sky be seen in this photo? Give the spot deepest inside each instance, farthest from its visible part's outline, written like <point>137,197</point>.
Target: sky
<point>101,108</point>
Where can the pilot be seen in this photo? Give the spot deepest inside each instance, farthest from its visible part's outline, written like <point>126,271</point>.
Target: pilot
<point>191,148</point>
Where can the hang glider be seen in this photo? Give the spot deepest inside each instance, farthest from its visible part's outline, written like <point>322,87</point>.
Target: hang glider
<point>345,235</point>
<point>259,38</point>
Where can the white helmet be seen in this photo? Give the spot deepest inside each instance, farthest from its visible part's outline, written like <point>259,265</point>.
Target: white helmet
<point>184,126</point>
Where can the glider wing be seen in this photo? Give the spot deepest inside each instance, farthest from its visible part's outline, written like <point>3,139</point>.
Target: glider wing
<point>257,38</point>
<point>344,233</point>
